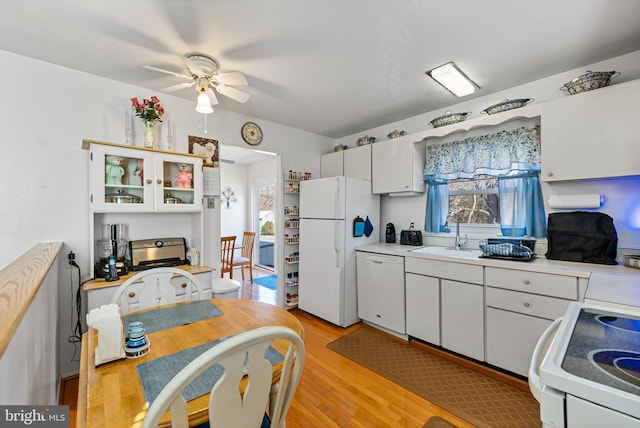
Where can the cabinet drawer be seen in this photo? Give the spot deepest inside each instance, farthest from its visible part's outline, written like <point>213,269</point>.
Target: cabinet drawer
<point>447,270</point>
<point>524,303</point>
<point>564,287</point>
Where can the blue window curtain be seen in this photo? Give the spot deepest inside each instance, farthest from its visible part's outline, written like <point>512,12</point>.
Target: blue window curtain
<point>508,153</point>
<point>437,205</point>
<point>521,205</point>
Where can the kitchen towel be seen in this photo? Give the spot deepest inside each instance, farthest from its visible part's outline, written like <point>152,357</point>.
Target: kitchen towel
<point>368,227</point>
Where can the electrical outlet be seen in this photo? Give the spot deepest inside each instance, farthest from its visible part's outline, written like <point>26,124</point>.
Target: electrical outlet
<point>71,260</point>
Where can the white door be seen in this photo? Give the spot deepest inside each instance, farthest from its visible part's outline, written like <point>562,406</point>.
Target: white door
<point>323,198</point>
<point>321,268</point>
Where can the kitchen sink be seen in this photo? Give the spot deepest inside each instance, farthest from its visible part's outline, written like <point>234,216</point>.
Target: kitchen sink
<point>462,253</point>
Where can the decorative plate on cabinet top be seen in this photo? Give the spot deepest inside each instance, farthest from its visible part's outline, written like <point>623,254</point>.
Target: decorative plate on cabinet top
<point>507,105</point>
<point>363,141</point>
<point>589,80</point>
<point>395,134</point>
<point>449,119</point>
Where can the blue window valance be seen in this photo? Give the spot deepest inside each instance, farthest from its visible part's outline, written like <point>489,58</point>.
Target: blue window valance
<point>494,154</point>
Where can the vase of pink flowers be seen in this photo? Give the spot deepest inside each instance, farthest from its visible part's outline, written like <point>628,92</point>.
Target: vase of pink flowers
<point>150,111</point>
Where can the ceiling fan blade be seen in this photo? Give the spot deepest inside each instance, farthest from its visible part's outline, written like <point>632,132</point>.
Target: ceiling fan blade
<point>234,78</point>
<point>233,93</point>
<point>212,97</point>
<point>193,67</point>
<point>178,87</point>
<point>161,70</point>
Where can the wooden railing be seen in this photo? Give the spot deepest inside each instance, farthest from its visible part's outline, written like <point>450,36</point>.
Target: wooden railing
<point>28,327</point>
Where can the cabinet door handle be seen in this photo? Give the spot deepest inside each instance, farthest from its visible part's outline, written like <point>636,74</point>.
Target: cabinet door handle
<point>526,304</point>
<point>132,294</point>
<point>183,285</point>
<point>526,281</point>
<point>149,181</point>
<point>159,181</point>
<point>550,174</point>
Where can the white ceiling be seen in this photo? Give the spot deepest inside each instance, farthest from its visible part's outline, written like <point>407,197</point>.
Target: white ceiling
<point>331,67</point>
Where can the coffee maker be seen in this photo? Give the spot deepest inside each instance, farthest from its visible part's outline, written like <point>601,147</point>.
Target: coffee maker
<point>113,252</point>
<point>390,233</point>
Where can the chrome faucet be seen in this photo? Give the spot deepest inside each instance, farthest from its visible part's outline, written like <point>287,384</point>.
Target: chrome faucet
<point>457,245</point>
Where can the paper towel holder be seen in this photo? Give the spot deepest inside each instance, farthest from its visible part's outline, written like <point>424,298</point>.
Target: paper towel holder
<point>580,201</point>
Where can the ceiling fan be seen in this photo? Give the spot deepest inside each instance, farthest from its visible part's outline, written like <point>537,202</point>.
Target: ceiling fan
<point>203,73</point>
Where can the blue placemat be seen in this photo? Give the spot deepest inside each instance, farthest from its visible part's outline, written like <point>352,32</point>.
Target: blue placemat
<point>156,374</point>
<point>165,318</point>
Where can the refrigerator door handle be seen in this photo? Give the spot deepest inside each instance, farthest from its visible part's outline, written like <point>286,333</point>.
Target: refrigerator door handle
<point>335,243</point>
<point>336,197</point>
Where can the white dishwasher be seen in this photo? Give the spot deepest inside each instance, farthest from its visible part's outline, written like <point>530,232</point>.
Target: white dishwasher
<point>380,280</point>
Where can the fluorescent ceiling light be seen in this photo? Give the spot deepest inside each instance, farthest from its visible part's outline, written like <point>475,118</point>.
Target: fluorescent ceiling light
<point>454,80</point>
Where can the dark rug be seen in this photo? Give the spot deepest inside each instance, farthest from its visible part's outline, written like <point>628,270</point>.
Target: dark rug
<point>270,282</point>
<point>438,422</point>
<point>477,398</point>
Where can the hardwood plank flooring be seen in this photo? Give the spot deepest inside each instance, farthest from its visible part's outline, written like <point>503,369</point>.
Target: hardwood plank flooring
<point>334,391</point>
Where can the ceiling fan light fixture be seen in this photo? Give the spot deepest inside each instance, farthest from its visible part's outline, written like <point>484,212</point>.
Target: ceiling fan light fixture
<point>453,79</point>
<point>204,104</point>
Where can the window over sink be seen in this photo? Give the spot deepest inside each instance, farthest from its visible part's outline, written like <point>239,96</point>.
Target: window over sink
<point>486,180</point>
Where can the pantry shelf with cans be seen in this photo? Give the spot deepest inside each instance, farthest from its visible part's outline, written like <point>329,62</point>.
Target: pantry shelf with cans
<point>291,228</point>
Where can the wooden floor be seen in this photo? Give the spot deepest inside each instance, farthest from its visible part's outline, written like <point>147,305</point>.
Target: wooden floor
<point>334,391</point>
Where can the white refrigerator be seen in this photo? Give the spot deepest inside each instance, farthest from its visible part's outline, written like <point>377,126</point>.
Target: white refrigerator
<point>327,267</point>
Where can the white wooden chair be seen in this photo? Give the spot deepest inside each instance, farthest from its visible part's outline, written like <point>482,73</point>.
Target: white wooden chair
<point>241,355</point>
<point>152,288</point>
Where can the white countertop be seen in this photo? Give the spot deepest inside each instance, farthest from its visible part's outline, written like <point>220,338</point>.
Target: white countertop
<point>617,286</point>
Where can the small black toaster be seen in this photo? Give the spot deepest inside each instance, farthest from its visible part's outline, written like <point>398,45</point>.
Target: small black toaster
<point>411,236</point>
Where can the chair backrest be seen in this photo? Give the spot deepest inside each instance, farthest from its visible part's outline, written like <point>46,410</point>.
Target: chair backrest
<point>247,244</point>
<point>227,244</point>
<point>155,287</point>
<point>239,355</point>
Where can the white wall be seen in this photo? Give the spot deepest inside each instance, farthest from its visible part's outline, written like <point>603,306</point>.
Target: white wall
<point>235,219</point>
<point>46,111</point>
<point>622,196</point>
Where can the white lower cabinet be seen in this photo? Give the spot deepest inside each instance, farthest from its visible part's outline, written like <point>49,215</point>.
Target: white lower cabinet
<point>520,306</point>
<point>381,290</point>
<point>511,338</point>
<point>423,307</point>
<point>462,318</point>
<point>445,305</point>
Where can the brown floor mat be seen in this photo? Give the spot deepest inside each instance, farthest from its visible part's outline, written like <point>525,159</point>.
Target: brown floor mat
<point>475,397</point>
<point>437,422</point>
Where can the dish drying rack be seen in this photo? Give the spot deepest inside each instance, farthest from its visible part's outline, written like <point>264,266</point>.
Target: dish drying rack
<point>509,249</point>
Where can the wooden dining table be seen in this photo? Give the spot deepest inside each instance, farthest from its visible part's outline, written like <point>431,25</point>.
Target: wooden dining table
<point>111,395</point>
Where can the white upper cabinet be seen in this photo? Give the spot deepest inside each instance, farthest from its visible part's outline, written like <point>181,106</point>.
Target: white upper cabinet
<point>141,180</point>
<point>332,164</point>
<point>355,162</point>
<point>592,134</point>
<point>397,166</point>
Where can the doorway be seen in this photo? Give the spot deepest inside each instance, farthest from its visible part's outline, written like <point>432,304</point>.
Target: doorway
<point>265,227</point>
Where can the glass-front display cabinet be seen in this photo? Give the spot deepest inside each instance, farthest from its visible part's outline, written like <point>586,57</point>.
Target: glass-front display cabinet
<point>128,179</point>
